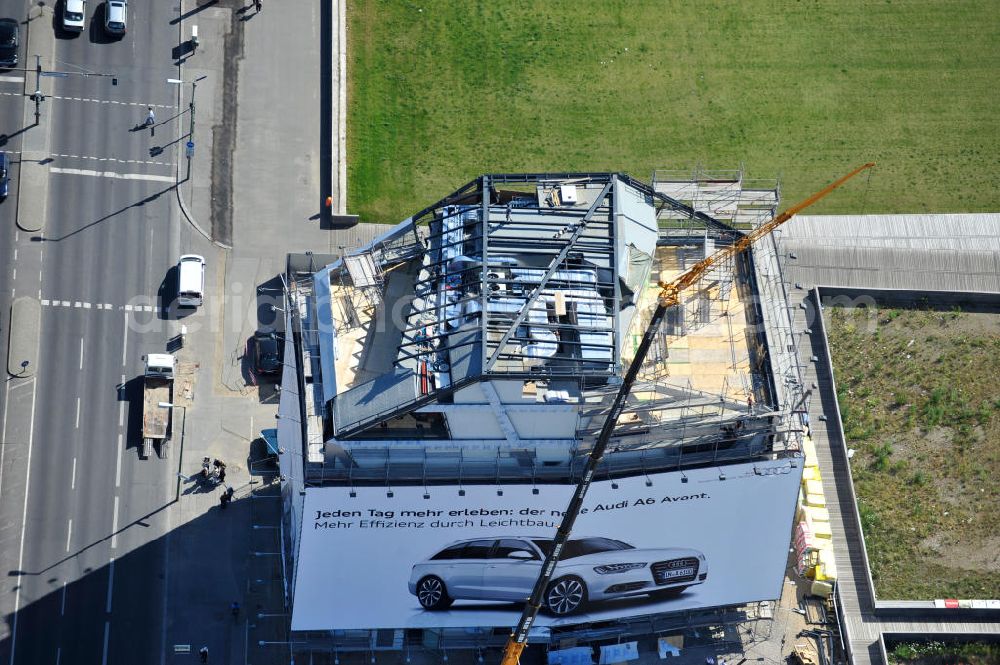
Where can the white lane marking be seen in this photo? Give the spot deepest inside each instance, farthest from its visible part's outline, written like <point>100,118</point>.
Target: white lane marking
<point>118,463</point>
<point>121,406</point>
<point>111,584</point>
<point>72,481</point>
<point>11,79</point>
<point>24,522</point>
<point>3,433</point>
<point>15,253</point>
<point>115,102</point>
<point>62,603</point>
<point>112,159</point>
<point>114,536</point>
<point>107,630</point>
<point>125,340</point>
<point>58,654</point>
<point>78,413</point>
<point>102,306</point>
<point>81,353</point>
<point>112,174</point>
<point>69,534</point>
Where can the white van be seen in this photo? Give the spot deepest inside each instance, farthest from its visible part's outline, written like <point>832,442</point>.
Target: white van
<point>190,280</point>
<point>74,15</point>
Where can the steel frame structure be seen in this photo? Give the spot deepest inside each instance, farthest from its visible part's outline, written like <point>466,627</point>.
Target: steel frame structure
<point>476,223</point>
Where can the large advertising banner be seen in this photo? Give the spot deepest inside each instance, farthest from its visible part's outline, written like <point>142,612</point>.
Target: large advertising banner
<point>433,557</point>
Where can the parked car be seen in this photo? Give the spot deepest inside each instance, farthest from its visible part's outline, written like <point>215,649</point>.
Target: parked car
<point>8,42</point>
<point>267,352</point>
<point>4,177</point>
<point>74,15</point>
<point>590,570</point>
<point>116,17</point>
<point>190,280</point>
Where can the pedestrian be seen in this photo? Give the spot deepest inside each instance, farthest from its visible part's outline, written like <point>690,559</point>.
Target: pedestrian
<point>150,116</point>
<point>223,500</point>
<point>257,4</point>
<point>222,474</point>
<point>203,654</point>
<point>229,493</point>
<point>508,212</point>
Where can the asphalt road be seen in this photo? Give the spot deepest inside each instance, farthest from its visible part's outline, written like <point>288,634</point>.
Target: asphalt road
<point>88,578</point>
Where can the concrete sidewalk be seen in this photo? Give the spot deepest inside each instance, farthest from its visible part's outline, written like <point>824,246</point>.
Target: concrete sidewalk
<point>269,135</point>
<point>255,188</point>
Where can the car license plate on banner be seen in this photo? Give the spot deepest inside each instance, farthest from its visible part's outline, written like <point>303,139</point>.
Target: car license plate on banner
<point>679,572</point>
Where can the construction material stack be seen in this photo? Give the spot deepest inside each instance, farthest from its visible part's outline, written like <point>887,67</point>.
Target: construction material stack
<point>813,538</point>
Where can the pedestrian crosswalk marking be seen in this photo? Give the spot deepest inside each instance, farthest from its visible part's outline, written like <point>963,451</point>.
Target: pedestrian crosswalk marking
<point>113,174</point>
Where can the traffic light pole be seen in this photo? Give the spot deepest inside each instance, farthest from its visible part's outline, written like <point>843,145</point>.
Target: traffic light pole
<point>38,96</point>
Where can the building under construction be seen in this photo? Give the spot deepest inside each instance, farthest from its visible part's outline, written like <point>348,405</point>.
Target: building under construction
<point>477,346</point>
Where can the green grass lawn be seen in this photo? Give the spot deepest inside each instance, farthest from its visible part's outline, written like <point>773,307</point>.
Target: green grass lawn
<point>919,402</point>
<point>443,90</point>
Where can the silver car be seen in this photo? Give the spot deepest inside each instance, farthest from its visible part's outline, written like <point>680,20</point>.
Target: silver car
<point>590,570</point>
<point>116,17</point>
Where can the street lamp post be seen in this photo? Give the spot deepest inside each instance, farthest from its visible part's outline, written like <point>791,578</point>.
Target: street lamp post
<point>189,152</point>
<point>180,455</point>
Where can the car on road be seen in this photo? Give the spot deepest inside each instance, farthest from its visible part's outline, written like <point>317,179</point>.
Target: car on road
<point>4,178</point>
<point>8,42</point>
<point>74,15</point>
<point>267,352</point>
<point>589,570</point>
<point>116,17</point>
<point>190,280</point>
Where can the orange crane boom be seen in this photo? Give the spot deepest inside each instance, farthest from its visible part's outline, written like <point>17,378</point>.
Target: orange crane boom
<point>669,296</point>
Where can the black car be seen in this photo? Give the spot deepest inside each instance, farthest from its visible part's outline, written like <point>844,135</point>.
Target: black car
<point>267,352</point>
<point>8,42</point>
<point>4,178</point>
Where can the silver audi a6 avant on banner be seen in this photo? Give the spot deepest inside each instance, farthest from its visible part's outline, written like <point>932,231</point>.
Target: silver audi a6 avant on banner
<point>590,570</point>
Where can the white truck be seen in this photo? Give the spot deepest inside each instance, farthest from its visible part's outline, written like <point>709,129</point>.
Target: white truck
<point>157,400</point>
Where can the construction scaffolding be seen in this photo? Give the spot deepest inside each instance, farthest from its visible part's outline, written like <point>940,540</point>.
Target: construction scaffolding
<point>725,195</point>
